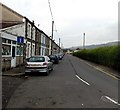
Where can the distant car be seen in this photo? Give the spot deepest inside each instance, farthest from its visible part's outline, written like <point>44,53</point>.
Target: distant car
<point>60,56</point>
<point>54,59</point>
<point>40,64</point>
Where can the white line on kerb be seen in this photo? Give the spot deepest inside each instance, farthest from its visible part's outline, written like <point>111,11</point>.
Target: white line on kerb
<point>82,80</point>
<point>112,100</point>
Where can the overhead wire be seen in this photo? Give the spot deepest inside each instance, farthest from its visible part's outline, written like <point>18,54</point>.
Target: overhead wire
<point>52,17</point>
<point>50,10</point>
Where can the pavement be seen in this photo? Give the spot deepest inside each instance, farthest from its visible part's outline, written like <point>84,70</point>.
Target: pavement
<point>11,80</point>
<point>17,71</point>
<point>9,85</point>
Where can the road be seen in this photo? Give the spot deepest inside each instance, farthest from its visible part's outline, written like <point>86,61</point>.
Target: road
<point>72,84</point>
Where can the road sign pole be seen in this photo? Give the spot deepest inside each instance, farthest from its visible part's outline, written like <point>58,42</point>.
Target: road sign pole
<point>20,41</point>
<point>20,59</point>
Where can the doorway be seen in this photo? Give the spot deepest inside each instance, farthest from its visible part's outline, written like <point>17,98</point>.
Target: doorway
<point>13,60</point>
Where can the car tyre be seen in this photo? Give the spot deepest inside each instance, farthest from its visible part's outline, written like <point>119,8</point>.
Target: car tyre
<point>26,73</point>
<point>52,68</point>
<point>47,73</point>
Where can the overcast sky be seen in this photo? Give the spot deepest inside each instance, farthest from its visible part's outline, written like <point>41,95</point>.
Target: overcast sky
<point>98,19</point>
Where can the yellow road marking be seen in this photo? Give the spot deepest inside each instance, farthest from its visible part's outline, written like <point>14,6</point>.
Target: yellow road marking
<point>97,68</point>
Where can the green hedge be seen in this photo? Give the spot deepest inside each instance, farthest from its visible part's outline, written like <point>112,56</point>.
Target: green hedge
<point>108,56</point>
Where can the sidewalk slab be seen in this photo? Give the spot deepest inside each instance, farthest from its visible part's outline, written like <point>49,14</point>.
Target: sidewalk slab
<point>17,71</point>
<point>17,74</point>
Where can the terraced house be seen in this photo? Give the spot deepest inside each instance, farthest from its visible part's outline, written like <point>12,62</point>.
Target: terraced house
<point>21,39</point>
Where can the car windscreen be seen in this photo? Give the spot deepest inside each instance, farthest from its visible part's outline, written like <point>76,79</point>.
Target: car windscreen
<point>36,59</point>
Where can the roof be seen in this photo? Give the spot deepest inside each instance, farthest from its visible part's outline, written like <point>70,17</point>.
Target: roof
<point>11,10</point>
<point>9,17</point>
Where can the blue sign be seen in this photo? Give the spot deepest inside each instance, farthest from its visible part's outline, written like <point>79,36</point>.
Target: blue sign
<point>20,39</point>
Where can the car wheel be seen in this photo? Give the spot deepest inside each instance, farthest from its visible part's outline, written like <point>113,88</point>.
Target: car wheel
<point>26,73</point>
<point>47,73</point>
<point>52,68</point>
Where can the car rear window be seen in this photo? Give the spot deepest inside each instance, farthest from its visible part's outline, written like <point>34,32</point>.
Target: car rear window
<point>53,56</point>
<point>36,59</point>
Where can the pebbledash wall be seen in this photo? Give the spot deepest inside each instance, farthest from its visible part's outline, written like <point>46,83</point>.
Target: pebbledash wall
<point>36,42</point>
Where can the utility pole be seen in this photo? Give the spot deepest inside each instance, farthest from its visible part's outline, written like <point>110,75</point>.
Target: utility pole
<point>52,37</point>
<point>59,45</point>
<point>83,40</point>
<point>0,55</point>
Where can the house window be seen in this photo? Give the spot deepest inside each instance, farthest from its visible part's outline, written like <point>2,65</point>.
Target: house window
<point>19,50</point>
<point>6,41</point>
<point>13,42</point>
<point>29,30</point>
<point>9,41</point>
<point>42,51</point>
<point>43,39</point>
<point>28,50</point>
<point>6,49</point>
<point>33,50</point>
<point>3,40</point>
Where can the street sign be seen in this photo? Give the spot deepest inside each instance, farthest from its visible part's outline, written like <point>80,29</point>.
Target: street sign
<point>20,39</point>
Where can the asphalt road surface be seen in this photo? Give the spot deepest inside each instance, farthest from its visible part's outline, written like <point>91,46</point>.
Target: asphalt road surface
<point>72,84</point>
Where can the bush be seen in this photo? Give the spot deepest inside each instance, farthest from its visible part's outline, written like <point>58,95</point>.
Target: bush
<point>108,56</point>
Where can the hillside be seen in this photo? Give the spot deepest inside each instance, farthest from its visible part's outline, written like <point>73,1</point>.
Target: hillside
<point>95,46</point>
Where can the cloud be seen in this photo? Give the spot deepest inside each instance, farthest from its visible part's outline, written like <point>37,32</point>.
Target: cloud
<point>97,18</point>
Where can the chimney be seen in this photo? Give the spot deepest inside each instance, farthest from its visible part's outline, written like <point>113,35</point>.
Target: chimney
<point>33,22</point>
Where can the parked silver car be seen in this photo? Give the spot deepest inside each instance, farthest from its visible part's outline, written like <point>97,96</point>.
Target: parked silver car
<point>40,64</point>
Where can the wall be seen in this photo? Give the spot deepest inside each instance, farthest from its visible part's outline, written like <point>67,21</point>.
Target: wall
<point>18,30</point>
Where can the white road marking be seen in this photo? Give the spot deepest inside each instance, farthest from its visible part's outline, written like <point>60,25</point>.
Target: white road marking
<point>115,102</point>
<point>82,80</point>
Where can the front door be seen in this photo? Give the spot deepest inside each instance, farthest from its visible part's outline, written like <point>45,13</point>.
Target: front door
<point>13,60</point>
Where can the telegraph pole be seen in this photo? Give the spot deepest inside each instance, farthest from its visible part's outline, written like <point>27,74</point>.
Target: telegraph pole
<point>83,40</point>
<point>52,28</point>
<point>52,37</point>
<point>0,54</point>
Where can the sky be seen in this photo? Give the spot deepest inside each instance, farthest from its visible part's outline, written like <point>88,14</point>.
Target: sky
<point>98,19</point>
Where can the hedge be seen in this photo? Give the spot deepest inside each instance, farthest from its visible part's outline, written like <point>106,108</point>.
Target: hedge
<point>108,56</point>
